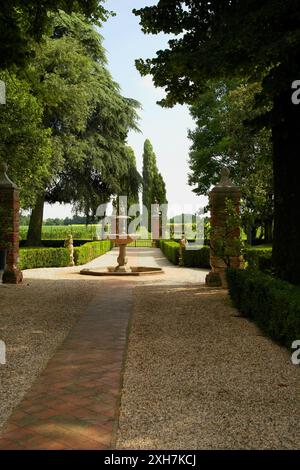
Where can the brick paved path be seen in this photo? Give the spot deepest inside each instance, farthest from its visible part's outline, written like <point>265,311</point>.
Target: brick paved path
<point>74,403</point>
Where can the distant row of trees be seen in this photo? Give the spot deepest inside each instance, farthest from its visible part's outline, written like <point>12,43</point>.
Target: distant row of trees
<point>75,220</point>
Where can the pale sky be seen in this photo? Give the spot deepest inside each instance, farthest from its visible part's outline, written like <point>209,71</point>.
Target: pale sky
<point>166,128</point>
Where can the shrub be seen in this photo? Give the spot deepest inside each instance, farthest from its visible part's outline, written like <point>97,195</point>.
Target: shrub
<point>191,258</point>
<point>43,258</point>
<point>272,303</point>
<point>197,258</point>
<point>31,258</point>
<point>87,252</point>
<point>55,243</point>
<point>170,249</point>
<point>259,258</point>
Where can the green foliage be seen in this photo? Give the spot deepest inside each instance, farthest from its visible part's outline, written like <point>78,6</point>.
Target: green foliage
<point>131,182</point>
<point>250,40</point>
<point>65,124</point>
<point>221,139</point>
<point>259,258</point>
<point>273,304</point>
<point>170,249</point>
<point>61,232</point>
<point>154,189</point>
<point>221,39</point>
<point>197,258</point>
<point>25,144</point>
<point>43,258</point>
<point>85,253</point>
<point>31,258</point>
<point>88,116</point>
<point>24,22</point>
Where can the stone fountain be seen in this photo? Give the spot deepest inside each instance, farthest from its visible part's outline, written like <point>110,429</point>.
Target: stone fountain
<point>121,239</point>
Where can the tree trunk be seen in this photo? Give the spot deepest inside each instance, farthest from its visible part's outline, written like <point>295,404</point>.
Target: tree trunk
<point>268,231</point>
<point>34,235</point>
<point>249,236</point>
<point>286,153</point>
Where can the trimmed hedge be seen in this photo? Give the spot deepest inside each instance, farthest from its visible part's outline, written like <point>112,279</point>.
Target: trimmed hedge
<point>55,243</point>
<point>31,258</point>
<point>170,249</point>
<point>259,258</point>
<point>89,251</point>
<point>197,258</point>
<point>273,304</point>
<point>191,258</point>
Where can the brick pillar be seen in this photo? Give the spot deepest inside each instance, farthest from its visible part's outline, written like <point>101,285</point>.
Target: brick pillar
<point>223,191</point>
<point>9,227</point>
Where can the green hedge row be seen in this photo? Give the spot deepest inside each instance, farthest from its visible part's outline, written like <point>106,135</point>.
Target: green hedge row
<point>272,303</point>
<point>197,258</point>
<point>259,258</point>
<point>31,258</point>
<point>89,251</point>
<point>191,258</point>
<point>170,249</point>
<point>55,243</point>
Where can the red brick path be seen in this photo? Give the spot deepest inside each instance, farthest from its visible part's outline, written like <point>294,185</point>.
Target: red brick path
<point>74,402</point>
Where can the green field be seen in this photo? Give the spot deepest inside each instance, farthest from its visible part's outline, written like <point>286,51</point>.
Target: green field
<point>60,232</point>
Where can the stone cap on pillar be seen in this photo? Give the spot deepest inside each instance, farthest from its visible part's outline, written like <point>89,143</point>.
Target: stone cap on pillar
<point>225,184</point>
<point>5,182</point>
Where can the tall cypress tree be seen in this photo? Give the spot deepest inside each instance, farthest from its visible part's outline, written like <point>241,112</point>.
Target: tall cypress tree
<point>154,188</point>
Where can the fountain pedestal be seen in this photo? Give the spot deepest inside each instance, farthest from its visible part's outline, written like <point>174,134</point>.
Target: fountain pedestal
<point>122,260</point>
<point>122,239</point>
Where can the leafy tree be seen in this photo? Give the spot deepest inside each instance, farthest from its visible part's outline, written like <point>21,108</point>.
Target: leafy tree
<point>22,23</point>
<point>154,189</point>
<point>88,118</point>
<point>247,39</point>
<point>25,145</point>
<point>221,139</point>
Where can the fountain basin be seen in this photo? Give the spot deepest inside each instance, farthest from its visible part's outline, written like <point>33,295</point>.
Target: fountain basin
<point>131,271</point>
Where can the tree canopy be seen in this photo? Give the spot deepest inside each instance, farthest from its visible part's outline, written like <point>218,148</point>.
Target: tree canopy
<point>22,23</point>
<point>236,38</point>
<point>81,120</point>
<point>240,39</point>
<point>220,139</point>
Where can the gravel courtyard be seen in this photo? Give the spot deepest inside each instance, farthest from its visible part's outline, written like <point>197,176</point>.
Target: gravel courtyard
<point>199,376</point>
<point>37,315</point>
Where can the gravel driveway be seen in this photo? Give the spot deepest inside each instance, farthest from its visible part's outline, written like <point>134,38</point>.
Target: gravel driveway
<point>199,376</point>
